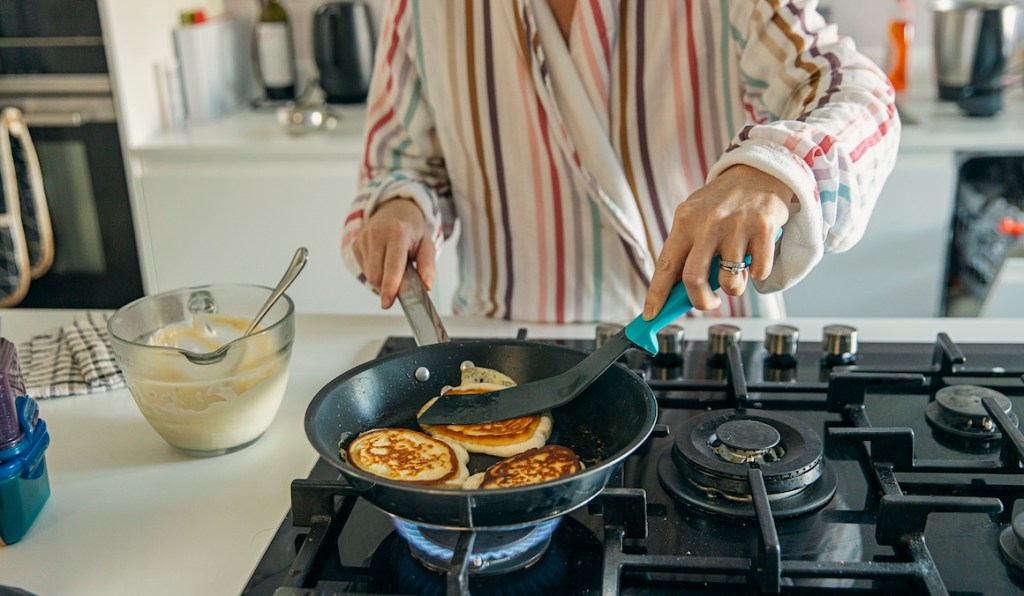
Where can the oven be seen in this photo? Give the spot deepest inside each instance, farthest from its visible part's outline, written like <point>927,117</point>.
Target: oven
<point>777,466</point>
<point>53,68</point>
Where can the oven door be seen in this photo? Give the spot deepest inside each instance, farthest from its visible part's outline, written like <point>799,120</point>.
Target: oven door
<point>96,264</point>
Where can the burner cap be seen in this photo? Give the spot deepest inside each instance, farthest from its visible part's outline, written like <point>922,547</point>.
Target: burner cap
<point>1011,542</point>
<point>740,441</point>
<point>707,466</point>
<point>958,410</point>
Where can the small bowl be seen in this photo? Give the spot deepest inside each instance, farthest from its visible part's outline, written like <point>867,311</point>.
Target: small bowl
<point>205,408</point>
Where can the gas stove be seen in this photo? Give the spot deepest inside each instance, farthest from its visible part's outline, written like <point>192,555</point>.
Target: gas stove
<point>777,466</point>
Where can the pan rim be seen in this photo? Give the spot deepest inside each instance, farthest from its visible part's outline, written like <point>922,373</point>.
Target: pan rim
<point>334,458</point>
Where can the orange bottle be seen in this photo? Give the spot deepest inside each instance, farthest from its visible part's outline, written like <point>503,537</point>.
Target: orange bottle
<point>901,35</point>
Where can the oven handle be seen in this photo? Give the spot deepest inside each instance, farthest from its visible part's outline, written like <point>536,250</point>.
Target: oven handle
<point>57,119</point>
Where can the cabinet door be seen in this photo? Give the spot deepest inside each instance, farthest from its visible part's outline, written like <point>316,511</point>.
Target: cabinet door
<point>219,220</point>
<point>898,268</point>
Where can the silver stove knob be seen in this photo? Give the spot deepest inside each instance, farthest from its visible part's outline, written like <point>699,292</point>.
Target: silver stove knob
<point>720,337</point>
<point>781,340</point>
<point>839,341</point>
<point>604,332</point>
<point>671,340</point>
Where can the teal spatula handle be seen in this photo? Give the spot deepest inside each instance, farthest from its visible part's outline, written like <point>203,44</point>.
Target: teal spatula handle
<point>645,333</point>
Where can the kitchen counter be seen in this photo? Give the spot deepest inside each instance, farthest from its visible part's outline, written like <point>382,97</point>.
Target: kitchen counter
<point>128,515</point>
<point>927,124</point>
<point>257,132</point>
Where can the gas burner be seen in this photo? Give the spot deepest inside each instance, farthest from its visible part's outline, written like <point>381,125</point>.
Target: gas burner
<point>494,552</point>
<point>570,565</point>
<point>957,410</point>
<point>714,451</point>
<point>1011,542</point>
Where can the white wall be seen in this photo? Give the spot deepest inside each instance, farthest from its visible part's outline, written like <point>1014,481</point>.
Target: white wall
<point>866,22</point>
<point>137,35</point>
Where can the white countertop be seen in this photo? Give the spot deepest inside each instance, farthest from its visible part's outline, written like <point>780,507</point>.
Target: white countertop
<point>128,515</point>
<point>251,132</point>
<point>928,124</point>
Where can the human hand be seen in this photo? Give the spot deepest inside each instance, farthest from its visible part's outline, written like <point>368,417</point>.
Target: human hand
<point>736,214</point>
<point>395,234</point>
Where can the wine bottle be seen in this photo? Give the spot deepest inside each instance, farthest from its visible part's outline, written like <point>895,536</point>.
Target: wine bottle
<point>274,52</point>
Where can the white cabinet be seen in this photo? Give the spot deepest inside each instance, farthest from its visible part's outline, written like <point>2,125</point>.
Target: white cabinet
<point>898,269</point>
<point>209,216</point>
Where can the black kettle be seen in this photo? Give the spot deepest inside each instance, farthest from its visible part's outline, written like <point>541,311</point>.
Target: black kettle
<point>343,44</point>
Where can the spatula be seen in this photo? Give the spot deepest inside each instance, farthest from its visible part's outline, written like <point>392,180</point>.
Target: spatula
<point>545,394</point>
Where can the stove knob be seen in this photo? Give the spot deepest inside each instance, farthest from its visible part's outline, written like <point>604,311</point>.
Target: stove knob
<point>839,342</point>
<point>781,341</point>
<point>668,362</point>
<point>720,337</point>
<point>671,340</point>
<point>604,332</point>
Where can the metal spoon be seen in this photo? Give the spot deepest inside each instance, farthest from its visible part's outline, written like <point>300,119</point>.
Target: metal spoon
<point>298,262</point>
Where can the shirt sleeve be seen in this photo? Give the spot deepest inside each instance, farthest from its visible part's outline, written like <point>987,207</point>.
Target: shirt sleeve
<point>821,118</point>
<point>402,157</point>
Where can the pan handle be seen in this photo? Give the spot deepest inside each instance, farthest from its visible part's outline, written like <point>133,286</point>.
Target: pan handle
<point>419,310</point>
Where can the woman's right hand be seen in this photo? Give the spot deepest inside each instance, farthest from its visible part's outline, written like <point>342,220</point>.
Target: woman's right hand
<point>395,234</point>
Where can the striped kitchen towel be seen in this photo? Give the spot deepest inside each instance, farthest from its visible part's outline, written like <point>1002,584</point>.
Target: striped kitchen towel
<point>73,360</point>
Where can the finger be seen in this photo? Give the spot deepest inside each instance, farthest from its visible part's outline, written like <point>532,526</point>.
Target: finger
<point>733,249</point>
<point>667,270</point>
<point>695,277</point>
<point>762,254</point>
<point>396,256</point>
<point>357,252</point>
<point>426,262</point>
<point>373,259</point>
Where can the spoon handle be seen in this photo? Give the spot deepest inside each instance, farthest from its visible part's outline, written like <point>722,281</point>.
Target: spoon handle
<point>298,262</point>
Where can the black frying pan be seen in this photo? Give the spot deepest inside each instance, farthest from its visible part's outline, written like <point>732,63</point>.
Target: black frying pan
<point>602,426</point>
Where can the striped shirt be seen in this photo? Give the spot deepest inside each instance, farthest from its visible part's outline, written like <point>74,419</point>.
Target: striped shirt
<point>462,118</point>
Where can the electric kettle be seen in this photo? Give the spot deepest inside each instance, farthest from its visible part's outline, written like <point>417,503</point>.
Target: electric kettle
<point>343,44</point>
<point>974,43</point>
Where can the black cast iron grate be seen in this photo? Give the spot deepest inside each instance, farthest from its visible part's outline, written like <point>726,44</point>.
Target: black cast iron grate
<point>906,490</point>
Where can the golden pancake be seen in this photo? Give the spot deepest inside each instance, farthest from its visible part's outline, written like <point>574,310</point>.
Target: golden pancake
<point>409,456</point>
<point>472,375</point>
<point>529,467</point>
<point>503,438</point>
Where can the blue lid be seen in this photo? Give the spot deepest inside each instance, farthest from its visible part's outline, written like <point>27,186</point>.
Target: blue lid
<point>25,458</point>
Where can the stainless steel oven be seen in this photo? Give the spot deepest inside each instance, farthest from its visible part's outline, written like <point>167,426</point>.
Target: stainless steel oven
<point>53,67</point>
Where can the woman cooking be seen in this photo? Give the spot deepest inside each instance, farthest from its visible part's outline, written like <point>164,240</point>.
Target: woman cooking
<point>597,151</point>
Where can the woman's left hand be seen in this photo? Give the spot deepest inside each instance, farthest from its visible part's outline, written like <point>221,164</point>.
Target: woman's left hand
<point>736,214</point>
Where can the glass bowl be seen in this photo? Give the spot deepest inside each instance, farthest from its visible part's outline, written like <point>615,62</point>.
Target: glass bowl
<point>203,406</point>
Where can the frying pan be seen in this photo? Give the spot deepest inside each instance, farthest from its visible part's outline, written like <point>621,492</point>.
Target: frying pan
<point>606,423</point>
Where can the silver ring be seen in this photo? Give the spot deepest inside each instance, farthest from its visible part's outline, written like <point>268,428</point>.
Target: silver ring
<point>734,267</point>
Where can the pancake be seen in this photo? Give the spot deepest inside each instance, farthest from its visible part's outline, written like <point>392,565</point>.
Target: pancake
<point>529,467</point>
<point>503,438</point>
<point>479,374</point>
<point>409,456</point>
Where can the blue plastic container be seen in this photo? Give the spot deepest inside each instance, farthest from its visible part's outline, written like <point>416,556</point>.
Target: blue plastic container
<point>24,483</point>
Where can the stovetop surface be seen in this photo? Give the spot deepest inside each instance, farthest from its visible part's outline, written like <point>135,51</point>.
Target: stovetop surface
<point>815,548</point>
